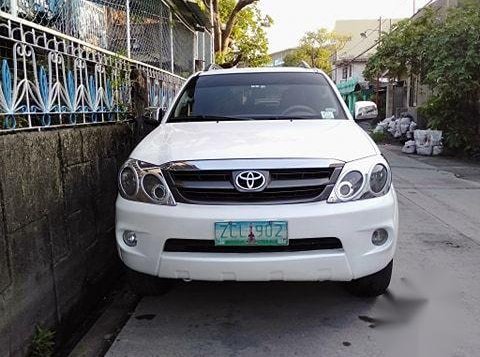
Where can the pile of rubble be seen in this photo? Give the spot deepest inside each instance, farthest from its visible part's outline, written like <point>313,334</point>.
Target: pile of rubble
<point>421,142</point>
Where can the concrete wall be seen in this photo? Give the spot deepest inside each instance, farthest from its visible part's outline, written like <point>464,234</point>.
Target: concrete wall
<point>57,194</point>
<point>357,71</point>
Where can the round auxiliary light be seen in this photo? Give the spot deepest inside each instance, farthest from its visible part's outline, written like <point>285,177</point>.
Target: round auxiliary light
<point>130,238</point>
<point>129,181</point>
<point>379,237</point>
<point>378,178</point>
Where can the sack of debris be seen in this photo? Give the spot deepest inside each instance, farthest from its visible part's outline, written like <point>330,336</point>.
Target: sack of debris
<point>411,130</point>
<point>379,129</point>
<point>413,127</point>
<point>405,124</point>
<point>426,150</point>
<point>420,137</point>
<point>435,137</point>
<point>409,147</point>
<point>437,150</point>
<point>394,128</point>
<point>428,142</point>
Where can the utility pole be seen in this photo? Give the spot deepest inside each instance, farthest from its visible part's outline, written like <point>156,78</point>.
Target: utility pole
<point>414,7</point>
<point>378,74</point>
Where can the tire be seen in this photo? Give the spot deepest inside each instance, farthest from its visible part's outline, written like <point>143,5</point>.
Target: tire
<point>372,285</point>
<point>148,285</point>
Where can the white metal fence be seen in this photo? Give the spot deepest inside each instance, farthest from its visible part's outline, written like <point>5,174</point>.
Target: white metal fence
<point>66,62</point>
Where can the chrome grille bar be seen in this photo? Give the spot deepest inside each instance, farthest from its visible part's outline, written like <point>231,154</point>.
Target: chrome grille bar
<point>211,181</point>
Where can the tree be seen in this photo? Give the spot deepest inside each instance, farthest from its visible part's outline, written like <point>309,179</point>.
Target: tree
<point>441,49</point>
<point>239,28</point>
<point>317,49</point>
<point>400,51</point>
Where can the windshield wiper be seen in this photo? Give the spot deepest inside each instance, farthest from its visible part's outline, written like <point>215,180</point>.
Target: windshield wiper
<point>217,118</point>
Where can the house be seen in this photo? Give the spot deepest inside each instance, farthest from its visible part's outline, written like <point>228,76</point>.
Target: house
<point>350,62</point>
<point>278,58</point>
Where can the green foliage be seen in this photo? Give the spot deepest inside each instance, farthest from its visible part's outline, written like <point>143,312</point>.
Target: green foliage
<point>404,49</point>
<point>317,48</point>
<point>293,59</point>
<point>249,38</point>
<point>379,137</point>
<point>443,48</point>
<point>43,343</point>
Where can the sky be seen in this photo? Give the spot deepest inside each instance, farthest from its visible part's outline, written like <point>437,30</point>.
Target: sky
<point>295,17</point>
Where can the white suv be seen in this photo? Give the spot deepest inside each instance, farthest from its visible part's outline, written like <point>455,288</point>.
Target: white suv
<point>258,175</point>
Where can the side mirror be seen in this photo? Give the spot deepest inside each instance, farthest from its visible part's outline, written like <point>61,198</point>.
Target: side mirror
<point>365,110</point>
<point>153,116</point>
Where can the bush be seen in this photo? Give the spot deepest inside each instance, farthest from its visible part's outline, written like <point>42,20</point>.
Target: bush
<point>458,120</point>
<point>443,51</point>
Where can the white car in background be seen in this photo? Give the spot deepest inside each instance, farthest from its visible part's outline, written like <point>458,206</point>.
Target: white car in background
<point>258,175</point>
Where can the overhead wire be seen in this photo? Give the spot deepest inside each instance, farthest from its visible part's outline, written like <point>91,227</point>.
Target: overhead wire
<point>383,22</point>
<point>379,40</point>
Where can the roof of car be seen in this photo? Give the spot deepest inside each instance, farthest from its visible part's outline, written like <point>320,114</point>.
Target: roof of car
<point>260,70</point>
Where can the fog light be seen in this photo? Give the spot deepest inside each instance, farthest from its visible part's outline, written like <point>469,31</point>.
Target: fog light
<point>379,237</point>
<point>130,238</point>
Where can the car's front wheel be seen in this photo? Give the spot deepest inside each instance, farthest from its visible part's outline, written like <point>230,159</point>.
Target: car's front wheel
<point>372,285</point>
<point>147,285</point>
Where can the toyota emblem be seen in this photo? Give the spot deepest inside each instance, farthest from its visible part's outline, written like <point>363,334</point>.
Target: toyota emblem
<point>250,181</point>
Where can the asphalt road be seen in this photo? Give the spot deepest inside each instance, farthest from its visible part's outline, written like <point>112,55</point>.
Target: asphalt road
<point>432,309</point>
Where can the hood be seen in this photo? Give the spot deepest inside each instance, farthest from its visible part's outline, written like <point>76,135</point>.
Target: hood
<point>324,139</point>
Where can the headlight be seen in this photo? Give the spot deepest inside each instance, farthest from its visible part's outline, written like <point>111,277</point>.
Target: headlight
<point>378,178</point>
<point>128,181</point>
<point>350,185</point>
<point>362,179</point>
<point>143,182</point>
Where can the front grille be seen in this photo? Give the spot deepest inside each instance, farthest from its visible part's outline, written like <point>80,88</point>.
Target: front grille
<point>208,246</point>
<point>285,186</point>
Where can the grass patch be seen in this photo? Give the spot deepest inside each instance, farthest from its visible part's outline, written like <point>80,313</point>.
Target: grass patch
<point>379,137</point>
<point>42,343</point>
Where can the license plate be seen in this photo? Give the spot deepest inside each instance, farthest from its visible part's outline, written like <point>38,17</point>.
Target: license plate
<point>260,233</point>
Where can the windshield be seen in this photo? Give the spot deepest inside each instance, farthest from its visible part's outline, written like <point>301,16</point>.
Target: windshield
<point>257,96</point>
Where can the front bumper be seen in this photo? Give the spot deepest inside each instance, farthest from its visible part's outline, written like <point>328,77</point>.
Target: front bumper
<point>353,223</point>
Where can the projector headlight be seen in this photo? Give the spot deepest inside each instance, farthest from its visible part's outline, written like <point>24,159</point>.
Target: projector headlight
<point>144,182</point>
<point>362,179</point>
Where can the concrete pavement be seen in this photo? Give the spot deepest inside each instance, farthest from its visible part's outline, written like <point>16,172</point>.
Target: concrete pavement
<point>433,308</point>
